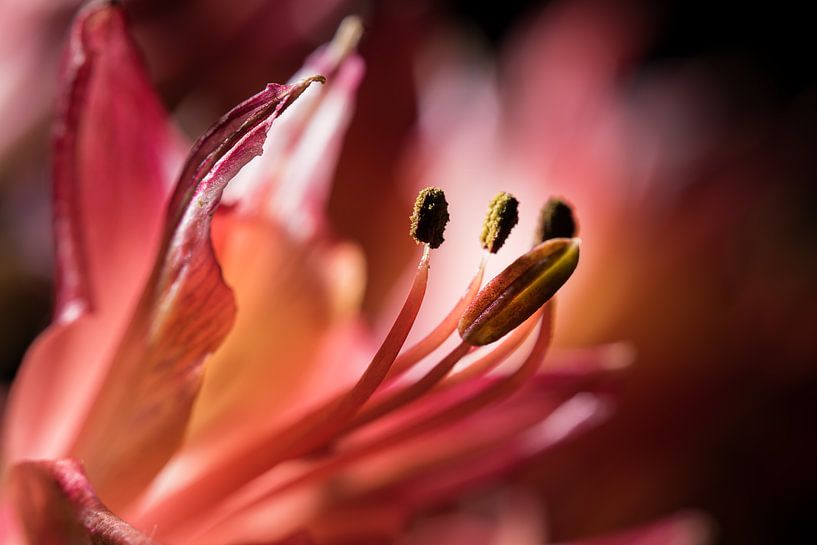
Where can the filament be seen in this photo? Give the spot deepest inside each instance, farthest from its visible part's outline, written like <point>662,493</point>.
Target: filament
<point>425,346</point>
<point>503,388</point>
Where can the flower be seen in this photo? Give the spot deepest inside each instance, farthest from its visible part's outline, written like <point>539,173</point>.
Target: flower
<point>203,380</point>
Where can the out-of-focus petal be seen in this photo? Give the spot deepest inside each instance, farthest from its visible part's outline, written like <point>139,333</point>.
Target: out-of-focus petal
<point>58,506</point>
<point>10,531</point>
<point>508,517</point>
<point>420,482</point>
<point>114,156</point>
<point>114,162</point>
<point>569,129</point>
<point>291,182</point>
<point>679,529</point>
<point>29,55</point>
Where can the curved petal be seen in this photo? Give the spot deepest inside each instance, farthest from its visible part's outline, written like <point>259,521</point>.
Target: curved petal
<point>114,157</point>
<point>185,311</point>
<point>297,340</point>
<point>293,284</point>
<point>57,506</point>
<point>135,357</point>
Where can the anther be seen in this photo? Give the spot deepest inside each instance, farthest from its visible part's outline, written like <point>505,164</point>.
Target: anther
<point>555,221</point>
<point>503,215</point>
<point>519,291</point>
<point>429,217</point>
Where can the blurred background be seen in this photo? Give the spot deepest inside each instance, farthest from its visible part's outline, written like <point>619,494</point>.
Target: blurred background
<point>684,132</point>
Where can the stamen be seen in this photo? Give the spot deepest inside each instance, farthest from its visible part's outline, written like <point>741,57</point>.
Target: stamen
<point>425,346</point>
<point>438,377</point>
<point>335,416</point>
<point>428,222</point>
<point>555,221</point>
<point>491,360</point>
<point>412,392</point>
<point>513,302</point>
<point>507,385</point>
<point>519,291</point>
<point>429,217</point>
<point>503,215</point>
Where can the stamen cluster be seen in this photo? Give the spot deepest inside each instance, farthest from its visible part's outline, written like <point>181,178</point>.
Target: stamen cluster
<point>508,309</point>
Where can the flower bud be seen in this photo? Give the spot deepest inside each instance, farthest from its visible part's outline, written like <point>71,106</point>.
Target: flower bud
<point>519,291</point>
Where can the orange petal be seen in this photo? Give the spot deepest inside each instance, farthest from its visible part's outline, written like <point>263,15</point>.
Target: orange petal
<point>271,363</point>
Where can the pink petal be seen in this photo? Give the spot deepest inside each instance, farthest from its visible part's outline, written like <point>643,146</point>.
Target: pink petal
<point>420,481</point>
<point>282,359</point>
<point>57,506</point>
<point>291,182</point>
<point>272,362</point>
<point>135,359</point>
<point>114,154</point>
<point>114,158</point>
<point>442,466</point>
<point>185,312</point>
<point>28,65</point>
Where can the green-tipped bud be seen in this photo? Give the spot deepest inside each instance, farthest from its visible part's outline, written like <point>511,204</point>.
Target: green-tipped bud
<point>519,291</point>
<point>555,221</point>
<point>429,217</point>
<point>503,215</point>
